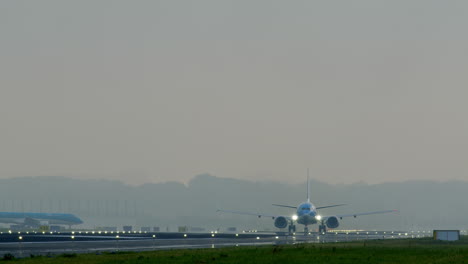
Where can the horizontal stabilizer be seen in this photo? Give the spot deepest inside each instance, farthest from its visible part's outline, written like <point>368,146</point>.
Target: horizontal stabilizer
<point>328,206</point>
<point>287,206</point>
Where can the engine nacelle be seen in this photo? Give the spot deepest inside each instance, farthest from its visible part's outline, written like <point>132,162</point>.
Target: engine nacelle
<point>332,222</point>
<point>281,222</point>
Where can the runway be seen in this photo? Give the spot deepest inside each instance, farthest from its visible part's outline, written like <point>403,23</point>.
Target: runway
<point>26,244</point>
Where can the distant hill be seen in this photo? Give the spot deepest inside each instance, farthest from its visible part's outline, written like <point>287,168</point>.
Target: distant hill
<point>423,205</point>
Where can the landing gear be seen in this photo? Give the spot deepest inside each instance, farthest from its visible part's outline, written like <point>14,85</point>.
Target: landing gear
<point>292,228</point>
<point>322,228</point>
<point>306,230</point>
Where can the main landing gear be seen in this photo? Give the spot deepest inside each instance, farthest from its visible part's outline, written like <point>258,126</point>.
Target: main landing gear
<point>292,228</point>
<point>322,229</point>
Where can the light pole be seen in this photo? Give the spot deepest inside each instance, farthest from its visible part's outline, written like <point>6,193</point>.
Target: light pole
<point>20,246</point>
<point>117,241</point>
<point>73,243</point>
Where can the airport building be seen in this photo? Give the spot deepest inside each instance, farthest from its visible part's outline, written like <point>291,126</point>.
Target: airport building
<point>447,235</point>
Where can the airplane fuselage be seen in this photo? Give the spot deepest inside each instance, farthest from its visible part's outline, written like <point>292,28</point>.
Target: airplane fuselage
<point>30,218</point>
<point>306,214</point>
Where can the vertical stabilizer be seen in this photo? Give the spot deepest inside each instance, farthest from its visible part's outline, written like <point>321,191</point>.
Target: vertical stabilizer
<point>308,187</point>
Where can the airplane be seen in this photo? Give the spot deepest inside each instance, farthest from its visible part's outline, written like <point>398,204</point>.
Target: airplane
<point>307,214</point>
<point>36,219</point>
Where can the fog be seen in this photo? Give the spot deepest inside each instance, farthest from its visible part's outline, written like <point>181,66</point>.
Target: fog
<point>153,91</point>
<point>423,205</point>
<point>114,106</point>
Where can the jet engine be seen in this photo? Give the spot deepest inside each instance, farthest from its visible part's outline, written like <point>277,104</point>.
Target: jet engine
<point>332,222</point>
<point>281,222</point>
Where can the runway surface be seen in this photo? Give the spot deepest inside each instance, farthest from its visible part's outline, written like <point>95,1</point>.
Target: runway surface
<point>26,244</point>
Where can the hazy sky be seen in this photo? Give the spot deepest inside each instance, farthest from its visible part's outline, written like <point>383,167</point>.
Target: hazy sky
<point>150,91</point>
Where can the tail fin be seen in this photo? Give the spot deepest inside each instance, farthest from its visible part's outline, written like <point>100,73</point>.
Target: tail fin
<point>308,187</point>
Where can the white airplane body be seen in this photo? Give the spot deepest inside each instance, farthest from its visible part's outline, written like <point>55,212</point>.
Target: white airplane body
<point>307,214</point>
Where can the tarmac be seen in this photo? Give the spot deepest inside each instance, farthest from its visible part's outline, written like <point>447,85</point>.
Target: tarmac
<point>27,244</point>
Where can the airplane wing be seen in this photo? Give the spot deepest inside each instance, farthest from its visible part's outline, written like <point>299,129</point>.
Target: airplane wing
<point>247,213</point>
<point>365,213</point>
